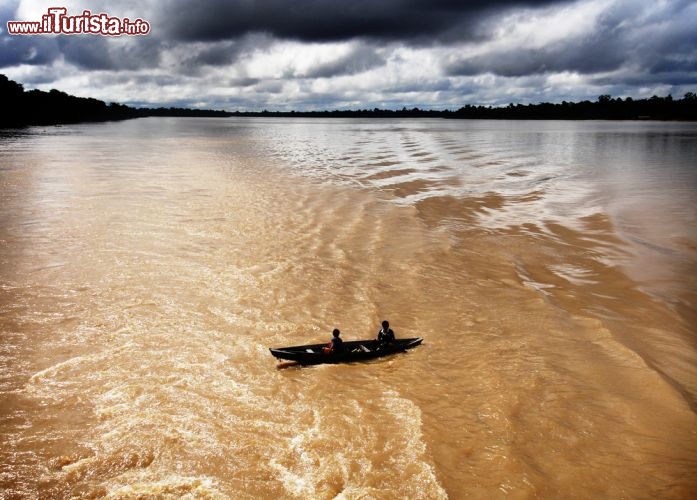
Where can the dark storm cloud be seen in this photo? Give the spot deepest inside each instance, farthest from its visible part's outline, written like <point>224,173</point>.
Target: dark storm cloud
<point>305,54</point>
<point>89,52</point>
<point>622,37</point>
<point>630,80</point>
<point>672,50</point>
<point>99,53</point>
<point>586,57</point>
<point>197,56</point>
<point>332,20</point>
<point>677,65</point>
<point>16,50</point>
<point>219,54</point>
<point>358,60</point>
<point>8,11</point>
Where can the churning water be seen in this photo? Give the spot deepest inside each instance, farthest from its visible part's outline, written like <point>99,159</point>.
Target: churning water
<point>551,267</point>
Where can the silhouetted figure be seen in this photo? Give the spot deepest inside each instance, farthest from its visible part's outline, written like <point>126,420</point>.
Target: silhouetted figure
<point>385,335</point>
<point>336,345</point>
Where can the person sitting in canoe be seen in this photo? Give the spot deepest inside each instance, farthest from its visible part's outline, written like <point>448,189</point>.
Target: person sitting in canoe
<point>385,335</point>
<point>335,345</point>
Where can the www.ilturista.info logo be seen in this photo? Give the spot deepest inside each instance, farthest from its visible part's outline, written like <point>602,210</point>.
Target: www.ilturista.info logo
<point>56,21</point>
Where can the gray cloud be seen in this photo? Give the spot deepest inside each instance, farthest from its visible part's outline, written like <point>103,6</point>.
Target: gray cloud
<point>360,59</point>
<point>218,54</point>
<point>331,20</point>
<point>623,37</point>
<point>582,56</point>
<point>196,56</point>
<point>100,53</point>
<point>438,53</point>
<point>18,50</point>
<point>87,52</point>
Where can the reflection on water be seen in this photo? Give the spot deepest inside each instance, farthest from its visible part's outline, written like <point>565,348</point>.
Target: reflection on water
<point>147,266</point>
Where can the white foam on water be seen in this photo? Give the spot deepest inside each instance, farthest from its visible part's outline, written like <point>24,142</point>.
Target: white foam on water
<point>186,488</point>
<point>359,448</point>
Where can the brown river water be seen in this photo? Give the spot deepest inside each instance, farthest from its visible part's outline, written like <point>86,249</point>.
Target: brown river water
<point>146,267</point>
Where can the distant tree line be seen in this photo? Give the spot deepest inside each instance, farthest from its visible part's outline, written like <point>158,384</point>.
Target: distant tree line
<point>35,107</point>
<point>20,108</point>
<point>47,108</point>
<point>605,108</point>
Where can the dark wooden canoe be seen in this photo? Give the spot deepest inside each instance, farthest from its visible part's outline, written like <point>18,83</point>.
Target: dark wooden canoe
<point>354,350</point>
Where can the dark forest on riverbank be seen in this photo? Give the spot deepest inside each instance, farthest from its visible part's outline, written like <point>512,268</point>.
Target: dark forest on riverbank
<point>36,107</point>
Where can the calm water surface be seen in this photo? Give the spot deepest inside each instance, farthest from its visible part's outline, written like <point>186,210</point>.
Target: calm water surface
<point>551,267</point>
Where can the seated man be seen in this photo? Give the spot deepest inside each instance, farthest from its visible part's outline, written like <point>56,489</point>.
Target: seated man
<point>385,335</point>
<point>336,345</point>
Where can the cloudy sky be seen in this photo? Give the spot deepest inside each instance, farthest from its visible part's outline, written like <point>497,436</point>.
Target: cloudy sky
<point>356,54</point>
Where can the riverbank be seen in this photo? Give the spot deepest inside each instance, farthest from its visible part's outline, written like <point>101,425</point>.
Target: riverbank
<point>36,107</point>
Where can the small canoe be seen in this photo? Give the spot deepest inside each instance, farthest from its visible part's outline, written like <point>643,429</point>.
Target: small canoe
<point>354,350</point>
